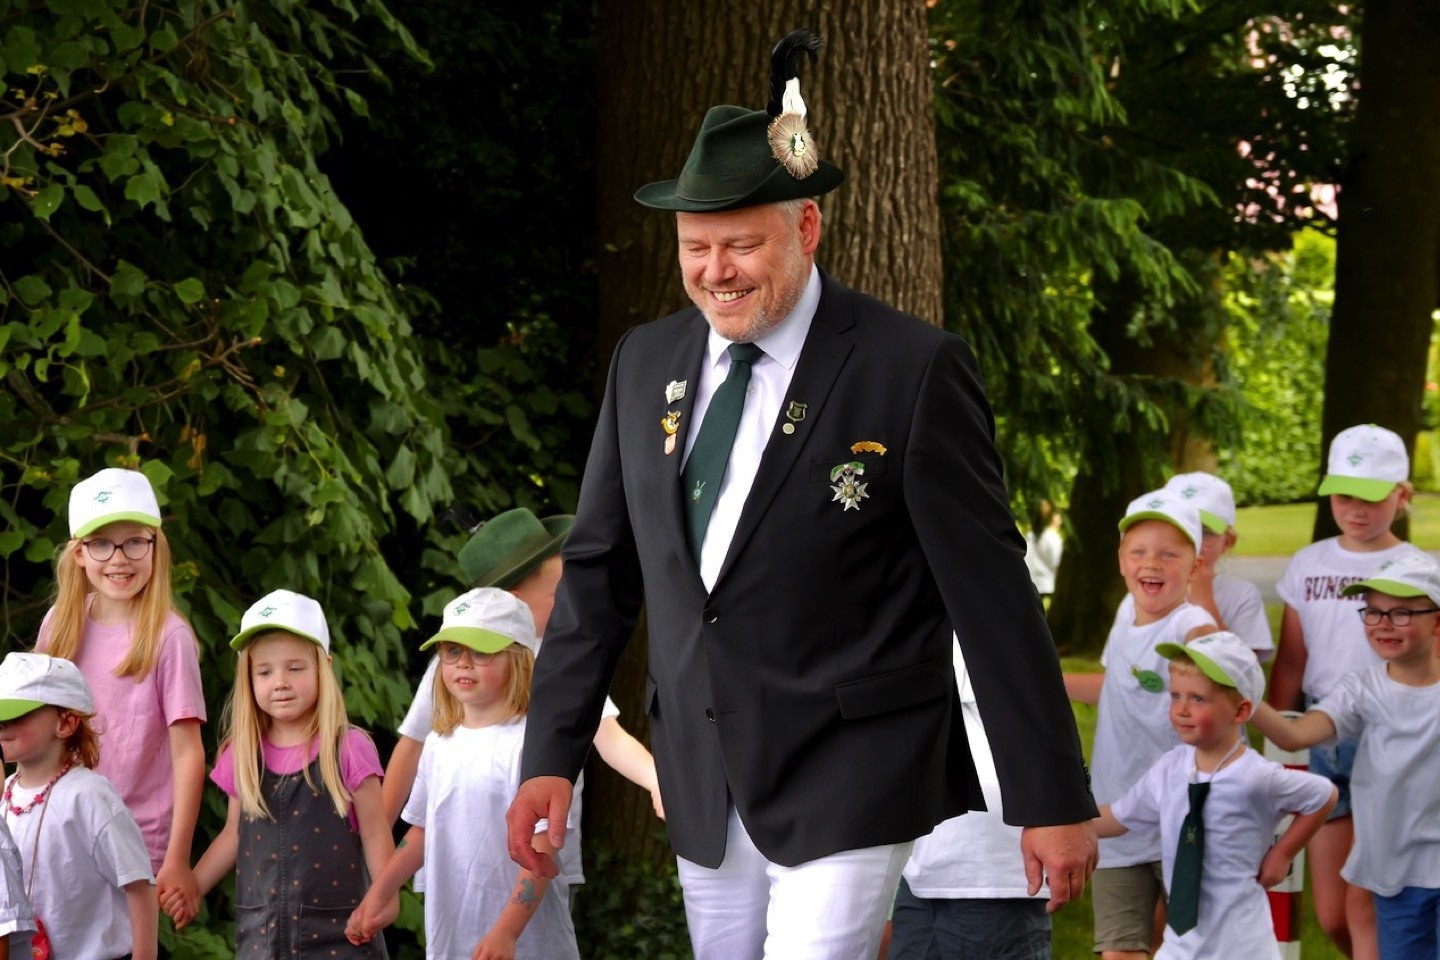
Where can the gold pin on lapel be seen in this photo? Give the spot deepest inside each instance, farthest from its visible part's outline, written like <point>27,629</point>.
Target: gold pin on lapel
<point>794,413</point>
<point>670,423</point>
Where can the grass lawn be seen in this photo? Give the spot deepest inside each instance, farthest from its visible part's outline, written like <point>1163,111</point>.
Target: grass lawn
<point>1074,925</point>
<point>1281,530</point>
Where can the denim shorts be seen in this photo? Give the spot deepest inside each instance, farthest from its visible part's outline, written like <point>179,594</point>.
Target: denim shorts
<point>1335,762</point>
<point>1409,924</point>
<point>926,929</point>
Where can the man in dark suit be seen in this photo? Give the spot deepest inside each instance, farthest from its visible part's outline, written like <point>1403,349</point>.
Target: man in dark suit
<point>802,594</point>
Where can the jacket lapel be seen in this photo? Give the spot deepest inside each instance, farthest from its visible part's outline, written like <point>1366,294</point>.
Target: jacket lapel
<point>684,368</point>
<point>824,353</point>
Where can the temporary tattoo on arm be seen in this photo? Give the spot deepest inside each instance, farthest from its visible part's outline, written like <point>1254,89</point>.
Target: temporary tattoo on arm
<point>527,896</point>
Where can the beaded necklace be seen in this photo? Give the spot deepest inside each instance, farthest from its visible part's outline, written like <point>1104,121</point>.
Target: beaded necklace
<point>36,800</point>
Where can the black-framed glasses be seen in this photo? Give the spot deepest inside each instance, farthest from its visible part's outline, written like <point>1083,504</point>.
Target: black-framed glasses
<point>452,652</point>
<point>1398,617</point>
<point>136,548</point>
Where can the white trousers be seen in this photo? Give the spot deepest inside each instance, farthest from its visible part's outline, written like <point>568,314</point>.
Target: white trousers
<point>748,908</point>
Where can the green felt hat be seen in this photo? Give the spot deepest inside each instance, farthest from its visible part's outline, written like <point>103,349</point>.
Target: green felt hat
<point>743,158</point>
<point>504,550</point>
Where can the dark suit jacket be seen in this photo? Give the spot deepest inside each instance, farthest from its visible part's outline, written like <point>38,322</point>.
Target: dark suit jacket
<point>813,686</point>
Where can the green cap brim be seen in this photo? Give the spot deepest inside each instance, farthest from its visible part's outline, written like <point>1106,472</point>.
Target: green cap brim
<point>1213,523</point>
<point>15,709</point>
<point>476,638</point>
<point>1134,518</point>
<point>245,636</point>
<point>1371,490</point>
<point>1178,651</point>
<point>1393,588</point>
<point>133,516</point>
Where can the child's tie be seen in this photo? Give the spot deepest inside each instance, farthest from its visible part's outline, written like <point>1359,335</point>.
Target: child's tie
<point>1184,905</point>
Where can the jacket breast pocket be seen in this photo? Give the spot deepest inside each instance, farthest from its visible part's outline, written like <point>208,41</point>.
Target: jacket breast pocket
<point>896,690</point>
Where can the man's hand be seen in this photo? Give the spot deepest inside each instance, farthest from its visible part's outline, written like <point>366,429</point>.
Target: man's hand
<point>1064,855</point>
<point>538,798</point>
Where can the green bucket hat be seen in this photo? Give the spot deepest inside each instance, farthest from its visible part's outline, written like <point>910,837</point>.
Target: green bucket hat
<point>504,550</point>
<point>744,158</point>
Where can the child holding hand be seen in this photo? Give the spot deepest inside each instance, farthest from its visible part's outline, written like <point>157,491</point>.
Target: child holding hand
<point>306,827</point>
<point>1216,803</point>
<point>477,902</point>
<point>113,615</point>
<point>87,871</point>
<point>1393,710</point>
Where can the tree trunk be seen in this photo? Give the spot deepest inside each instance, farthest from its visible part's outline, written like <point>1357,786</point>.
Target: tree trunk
<point>1387,253</point>
<point>1120,465</point>
<point>660,65</point>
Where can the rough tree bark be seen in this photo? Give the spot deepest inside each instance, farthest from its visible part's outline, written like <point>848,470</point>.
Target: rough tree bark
<point>1387,253</point>
<point>660,65</point>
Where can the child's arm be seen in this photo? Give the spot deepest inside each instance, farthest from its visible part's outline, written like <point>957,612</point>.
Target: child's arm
<point>144,919</point>
<point>1314,727</point>
<point>1106,825</point>
<point>215,864</point>
<point>499,942</point>
<point>1084,687</point>
<point>400,776</point>
<point>375,837</point>
<point>381,904</point>
<point>1202,592</point>
<point>1305,825</point>
<point>629,758</point>
<point>1289,670</point>
<point>187,759</point>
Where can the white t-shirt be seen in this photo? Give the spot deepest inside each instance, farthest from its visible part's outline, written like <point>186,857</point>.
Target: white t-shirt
<point>1241,606</point>
<point>1247,800</point>
<point>1334,636</point>
<point>464,786</point>
<point>977,856</point>
<point>1396,781</point>
<point>1133,728</point>
<point>16,920</point>
<point>1042,558</point>
<point>419,723</point>
<point>90,849</point>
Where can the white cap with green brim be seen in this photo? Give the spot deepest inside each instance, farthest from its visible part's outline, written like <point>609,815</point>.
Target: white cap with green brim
<point>285,611</point>
<point>110,496</point>
<point>1166,506</point>
<point>1412,575</point>
<point>487,620</point>
<point>29,681</point>
<point>1366,461</point>
<point>1210,495</point>
<point>1224,658</point>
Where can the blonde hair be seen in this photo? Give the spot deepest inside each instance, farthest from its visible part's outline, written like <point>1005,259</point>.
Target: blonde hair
<point>154,604</point>
<point>449,712</point>
<point>245,726</point>
<point>1189,668</point>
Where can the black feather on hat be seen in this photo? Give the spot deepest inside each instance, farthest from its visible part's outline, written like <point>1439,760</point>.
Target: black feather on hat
<point>743,158</point>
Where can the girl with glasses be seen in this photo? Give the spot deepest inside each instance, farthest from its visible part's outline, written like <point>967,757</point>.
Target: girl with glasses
<point>113,615</point>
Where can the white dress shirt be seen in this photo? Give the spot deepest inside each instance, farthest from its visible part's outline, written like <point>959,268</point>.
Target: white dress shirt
<point>769,382</point>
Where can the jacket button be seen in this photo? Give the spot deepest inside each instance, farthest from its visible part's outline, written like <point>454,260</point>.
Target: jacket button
<point>710,714</point>
<point>710,615</point>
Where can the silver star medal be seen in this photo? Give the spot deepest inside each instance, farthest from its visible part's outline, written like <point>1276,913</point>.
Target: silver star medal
<point>846,485</point>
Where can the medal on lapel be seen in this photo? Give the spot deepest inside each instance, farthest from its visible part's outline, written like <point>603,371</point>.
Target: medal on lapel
<point>794,413</point>
<point>846,485</point>
<point>675,390</point>
<point>670,423</point>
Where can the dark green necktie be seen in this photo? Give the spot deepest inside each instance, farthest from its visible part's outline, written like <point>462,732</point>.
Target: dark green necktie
<point>711,453</point>
<point>1184,904</point>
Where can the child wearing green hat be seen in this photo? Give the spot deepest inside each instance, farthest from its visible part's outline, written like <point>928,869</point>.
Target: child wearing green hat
<point>1215,804</point>
<point>518,552</point>
<point>1393,710</point>
<point>1322,640</point>
<point>475,904</point>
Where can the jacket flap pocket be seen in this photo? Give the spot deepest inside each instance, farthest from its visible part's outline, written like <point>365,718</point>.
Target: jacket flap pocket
<point>896,690</point>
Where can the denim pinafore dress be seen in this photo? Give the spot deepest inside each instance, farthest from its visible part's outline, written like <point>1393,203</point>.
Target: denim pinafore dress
<point>299,877</point>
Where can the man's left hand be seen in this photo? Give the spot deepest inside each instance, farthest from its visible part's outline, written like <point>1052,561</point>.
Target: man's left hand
<point>1064,855</point>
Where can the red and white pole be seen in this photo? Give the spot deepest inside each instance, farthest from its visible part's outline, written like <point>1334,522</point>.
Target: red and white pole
<point>1286,896</point>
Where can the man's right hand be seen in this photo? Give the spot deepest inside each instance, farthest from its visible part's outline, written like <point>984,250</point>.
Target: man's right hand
<point>538,798</point>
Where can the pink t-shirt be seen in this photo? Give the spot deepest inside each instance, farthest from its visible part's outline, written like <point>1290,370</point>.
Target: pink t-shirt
<point>133,717</point>
<point>359,760</point>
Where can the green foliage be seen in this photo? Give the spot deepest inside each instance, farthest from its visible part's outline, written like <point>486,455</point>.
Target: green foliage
<point>607,924</point>
<point>1279,307</point>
